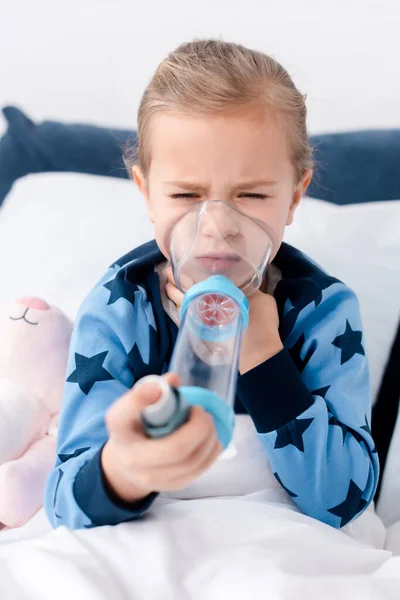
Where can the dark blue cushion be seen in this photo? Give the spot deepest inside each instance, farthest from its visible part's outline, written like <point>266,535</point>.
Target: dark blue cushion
<point>28,147</point>
<point>357,166</point>
<point>352,167</point>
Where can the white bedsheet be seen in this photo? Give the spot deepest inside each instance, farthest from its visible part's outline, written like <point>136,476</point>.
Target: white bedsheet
<point>211,548</point>
<point>232,533</point>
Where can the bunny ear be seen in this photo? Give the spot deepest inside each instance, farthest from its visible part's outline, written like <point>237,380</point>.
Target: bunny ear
<point>33,302</point>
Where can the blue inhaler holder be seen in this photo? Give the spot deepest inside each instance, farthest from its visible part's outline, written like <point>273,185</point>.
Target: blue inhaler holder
<point>214,314</point>
<point>222,413</point>
<point>157,425</point>
<point>221,286</point>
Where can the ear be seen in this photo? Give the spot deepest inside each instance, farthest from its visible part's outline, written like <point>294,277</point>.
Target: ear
<point>140,181</point>
<point>298,193</point>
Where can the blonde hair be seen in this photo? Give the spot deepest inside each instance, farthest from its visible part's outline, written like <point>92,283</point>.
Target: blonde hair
<point>210,76</point>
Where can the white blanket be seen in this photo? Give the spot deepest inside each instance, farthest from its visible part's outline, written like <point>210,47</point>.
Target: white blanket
<point>241,547</point>
<point>234,533</point>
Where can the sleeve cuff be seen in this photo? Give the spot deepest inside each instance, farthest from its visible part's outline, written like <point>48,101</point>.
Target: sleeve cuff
<point>274,393</point>
<point>96,500</point>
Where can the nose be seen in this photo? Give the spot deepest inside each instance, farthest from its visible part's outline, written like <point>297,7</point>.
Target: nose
<point>32,302</point>
<point>219,219</point>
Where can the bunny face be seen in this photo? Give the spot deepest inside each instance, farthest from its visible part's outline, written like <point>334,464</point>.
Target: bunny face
<point>34,348</point>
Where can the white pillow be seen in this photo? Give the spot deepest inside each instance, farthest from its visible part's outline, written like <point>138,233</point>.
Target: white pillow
<point>360,245</point>
<point>59,233</point>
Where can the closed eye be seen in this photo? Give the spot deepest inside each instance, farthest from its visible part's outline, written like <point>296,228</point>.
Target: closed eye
<point>254,196</point>
<point>194,196</point>
<point>184,195</point>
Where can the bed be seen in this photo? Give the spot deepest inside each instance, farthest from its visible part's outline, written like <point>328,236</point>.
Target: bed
<point>61,182</point>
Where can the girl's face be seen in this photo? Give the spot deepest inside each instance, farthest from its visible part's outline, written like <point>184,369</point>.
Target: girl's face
<point>241,158</point>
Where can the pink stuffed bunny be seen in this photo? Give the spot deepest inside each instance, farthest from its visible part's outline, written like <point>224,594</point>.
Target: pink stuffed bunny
<point>33,358</point>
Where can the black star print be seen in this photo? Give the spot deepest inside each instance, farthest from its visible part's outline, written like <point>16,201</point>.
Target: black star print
<point>140,367</point>
<point>298,272</point>
<point>89,370</point>
<point>321,391</point>
<point>292,434</point>
<point>366,427</point>
<point>345,430</point>
<point>291,494</point>
<point>295,352</point>
<point>65,457</point>
<point>351,506</point>
<point>121,287</point>
<point>349,343</point>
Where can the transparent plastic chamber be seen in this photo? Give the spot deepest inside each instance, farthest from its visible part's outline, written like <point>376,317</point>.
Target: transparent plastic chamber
<point>219,257</point>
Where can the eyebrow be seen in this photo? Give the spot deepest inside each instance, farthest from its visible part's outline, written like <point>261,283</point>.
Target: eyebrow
<point>256,183</point>
<point>244,184</point>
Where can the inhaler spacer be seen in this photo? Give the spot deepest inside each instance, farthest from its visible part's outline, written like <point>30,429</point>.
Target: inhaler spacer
<point>219,257</point>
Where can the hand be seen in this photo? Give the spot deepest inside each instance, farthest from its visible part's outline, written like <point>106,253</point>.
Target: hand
<point>135,465</point>
<point>261,339</point>
<point>170,288</point>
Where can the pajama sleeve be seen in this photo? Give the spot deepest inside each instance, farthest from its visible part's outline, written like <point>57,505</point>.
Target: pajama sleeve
<point>112,332</point>
<point>311,407</point>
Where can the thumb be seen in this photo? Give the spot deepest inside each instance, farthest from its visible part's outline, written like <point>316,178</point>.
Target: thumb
<point>147,391</point>
<point>124,417</point>
<point>152,386</point>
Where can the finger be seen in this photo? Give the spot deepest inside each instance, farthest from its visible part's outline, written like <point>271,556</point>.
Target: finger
<point>195,461</point>
<point>169,274</point>
<point>150,477</point>
<point>181,482</point>
<point>123,419</point>
<point>174,294</point>
<point>179,445</point>
<point>171,288</point>
<point>172,379</point>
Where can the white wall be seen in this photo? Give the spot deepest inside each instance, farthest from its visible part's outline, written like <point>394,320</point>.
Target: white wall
<point>89,60</point>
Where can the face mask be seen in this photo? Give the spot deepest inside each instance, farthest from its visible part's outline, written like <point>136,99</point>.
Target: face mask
<point>215,238</point>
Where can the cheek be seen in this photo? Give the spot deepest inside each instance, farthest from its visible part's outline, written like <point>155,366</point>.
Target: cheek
<point>279,218</point>
<point>165,215</point>
<point>160,229</point>
<point>274,215</point>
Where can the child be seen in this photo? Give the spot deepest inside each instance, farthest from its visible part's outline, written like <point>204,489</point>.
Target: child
<point>217,122</point>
